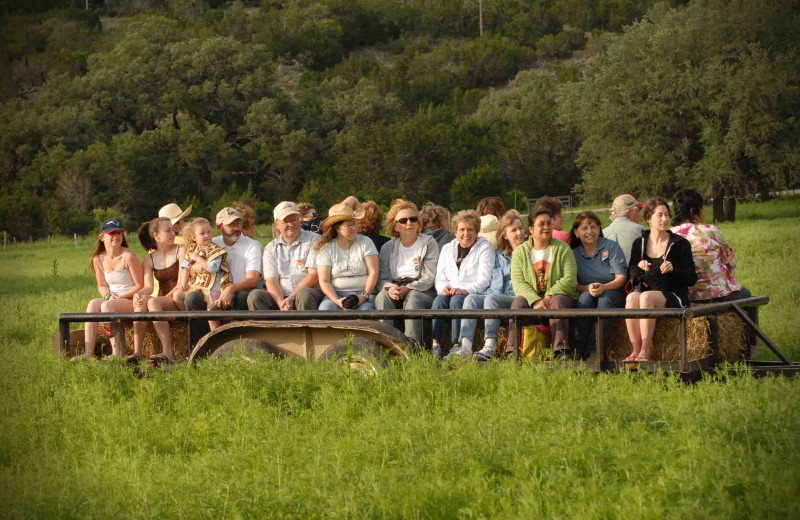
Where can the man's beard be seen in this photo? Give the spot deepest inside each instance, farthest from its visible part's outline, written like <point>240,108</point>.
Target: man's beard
<point>233,237</point>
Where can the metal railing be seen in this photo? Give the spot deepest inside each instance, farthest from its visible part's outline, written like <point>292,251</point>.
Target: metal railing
<point>518,319</point>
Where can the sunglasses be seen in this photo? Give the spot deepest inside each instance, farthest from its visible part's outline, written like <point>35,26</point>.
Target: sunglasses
<point>406,219</point>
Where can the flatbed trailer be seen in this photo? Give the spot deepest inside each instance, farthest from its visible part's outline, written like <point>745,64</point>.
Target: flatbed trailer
<point>324,335</point>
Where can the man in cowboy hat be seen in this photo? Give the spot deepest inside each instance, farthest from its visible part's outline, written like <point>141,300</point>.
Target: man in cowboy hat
<point>290,276</point>
<point>625,227</point>
<point>177,216</point>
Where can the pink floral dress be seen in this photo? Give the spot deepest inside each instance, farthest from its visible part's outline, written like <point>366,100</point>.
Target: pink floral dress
<point>714,261</point>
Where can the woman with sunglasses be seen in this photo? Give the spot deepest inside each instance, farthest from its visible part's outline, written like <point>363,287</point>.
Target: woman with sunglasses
<point>407,266</point>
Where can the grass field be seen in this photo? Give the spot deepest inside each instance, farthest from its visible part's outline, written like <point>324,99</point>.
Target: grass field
<point>284,439</point>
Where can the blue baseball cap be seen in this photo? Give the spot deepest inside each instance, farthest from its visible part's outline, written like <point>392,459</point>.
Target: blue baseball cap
<point>111,225</point>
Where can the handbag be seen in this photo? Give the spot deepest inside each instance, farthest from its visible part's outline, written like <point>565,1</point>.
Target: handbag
<point>536,341</point>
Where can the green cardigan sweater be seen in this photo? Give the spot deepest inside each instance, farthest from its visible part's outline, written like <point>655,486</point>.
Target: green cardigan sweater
<point>563,277</point>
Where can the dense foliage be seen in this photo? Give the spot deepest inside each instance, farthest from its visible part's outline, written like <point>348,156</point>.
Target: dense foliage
<point>119,108</point>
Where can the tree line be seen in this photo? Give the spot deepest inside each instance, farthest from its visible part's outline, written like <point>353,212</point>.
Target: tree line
<point>114,109</point>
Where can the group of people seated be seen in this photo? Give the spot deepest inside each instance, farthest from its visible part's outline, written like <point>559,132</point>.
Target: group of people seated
<point>481,259</point>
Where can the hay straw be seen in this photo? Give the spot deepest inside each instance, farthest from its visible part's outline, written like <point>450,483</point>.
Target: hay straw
<point>666,341</point>
<point>152,345</point>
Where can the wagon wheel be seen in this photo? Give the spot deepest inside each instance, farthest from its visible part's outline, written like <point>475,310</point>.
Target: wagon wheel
<point>367,357</point>
<point>243,348</point>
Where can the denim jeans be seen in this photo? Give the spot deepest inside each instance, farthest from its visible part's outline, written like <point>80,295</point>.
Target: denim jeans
<point>488,302</point>
<point>583,328</point>
<point>328,305</point>
<point>447,302</point>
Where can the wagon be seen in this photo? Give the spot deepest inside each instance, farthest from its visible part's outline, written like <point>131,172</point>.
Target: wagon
<point>357,338</point>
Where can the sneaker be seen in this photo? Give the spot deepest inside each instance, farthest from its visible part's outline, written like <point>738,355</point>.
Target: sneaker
<point>563,354</point>
<point>485,354</point>
<point>458,352</point>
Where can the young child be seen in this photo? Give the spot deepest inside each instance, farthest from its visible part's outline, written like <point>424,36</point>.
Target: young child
<point>204,268</point>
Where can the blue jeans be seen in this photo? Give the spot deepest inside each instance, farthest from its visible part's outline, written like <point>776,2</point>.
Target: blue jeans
<point>328,305</point>
<point>583,329</point>
<point>488,302</point>
<point>447,302</point>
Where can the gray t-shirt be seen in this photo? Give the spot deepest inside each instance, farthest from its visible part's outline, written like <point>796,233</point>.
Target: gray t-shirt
<point>348,267</point>
<point>624,231</point>
<point>290,263</point>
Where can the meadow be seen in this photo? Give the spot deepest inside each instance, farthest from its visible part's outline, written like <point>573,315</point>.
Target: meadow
<point>285,439</point>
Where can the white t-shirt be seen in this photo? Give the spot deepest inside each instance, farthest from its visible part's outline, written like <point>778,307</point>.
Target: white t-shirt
<point>348,267</point>
<point>542,260</point>
<point>243,256</point>
<point>408,260</point>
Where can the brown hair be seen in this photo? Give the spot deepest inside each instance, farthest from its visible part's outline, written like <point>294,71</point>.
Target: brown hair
<point>507,221</point>
<point>550,204</point>
<point>328,235</point>
<point>434,216</point>
<point>467,215</point>
<point>147,232</point>
<point>306,209</point>
<point>491,206</point>
<point>188,232</point>
<point>579,219</point>
<point>101,248</point>
<point>373,217</point>
<point>650,207</point>
<point>248,215</point>
<point>398,206</point>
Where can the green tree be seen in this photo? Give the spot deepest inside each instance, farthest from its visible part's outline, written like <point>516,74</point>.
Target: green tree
<point>477,183</point>
<point>531,150</point>
<point>703,96</point>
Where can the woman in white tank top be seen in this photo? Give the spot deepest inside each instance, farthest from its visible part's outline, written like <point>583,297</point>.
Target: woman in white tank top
<point>119,277</point>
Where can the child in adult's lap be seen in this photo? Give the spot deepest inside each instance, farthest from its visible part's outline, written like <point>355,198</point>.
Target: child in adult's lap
<point>204,267</point>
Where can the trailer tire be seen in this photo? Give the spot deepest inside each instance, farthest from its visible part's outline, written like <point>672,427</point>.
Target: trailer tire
<point>367,356</point>
<point>243,348</point>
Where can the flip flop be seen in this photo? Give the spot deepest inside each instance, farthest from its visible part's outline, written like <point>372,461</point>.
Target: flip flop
<point>630,359</point>
<point>133,360</point>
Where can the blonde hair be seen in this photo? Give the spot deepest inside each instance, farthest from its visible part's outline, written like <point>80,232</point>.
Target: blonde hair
<point>248,215</point>
<point>468,215</point>
<point>434,216</point>
<point>373,217</point>
<point>188,232</point>
<point>399,205</point>
<point>507,220</point>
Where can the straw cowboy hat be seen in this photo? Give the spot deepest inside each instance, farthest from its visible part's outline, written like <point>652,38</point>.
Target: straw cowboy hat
<point>340,212</point>
<point>173,212</point>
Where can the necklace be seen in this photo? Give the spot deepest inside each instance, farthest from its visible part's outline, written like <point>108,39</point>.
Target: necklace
<point>349,252</point>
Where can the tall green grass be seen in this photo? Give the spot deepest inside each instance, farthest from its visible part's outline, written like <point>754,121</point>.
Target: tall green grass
<point>287,439</point>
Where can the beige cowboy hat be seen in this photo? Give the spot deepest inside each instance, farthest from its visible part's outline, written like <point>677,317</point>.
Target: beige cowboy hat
<point>173,212</point>
<point>340,212</point>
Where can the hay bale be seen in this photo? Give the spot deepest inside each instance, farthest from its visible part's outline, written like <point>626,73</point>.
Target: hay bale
<point>152,345</point>
<point>666,341</point>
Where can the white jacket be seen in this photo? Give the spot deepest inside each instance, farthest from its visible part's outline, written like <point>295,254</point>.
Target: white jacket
<point>475,274</point>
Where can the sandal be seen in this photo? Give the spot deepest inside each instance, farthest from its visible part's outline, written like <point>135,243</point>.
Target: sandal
<point>160,359</point>
<point>631,358</point>
<point>133,359</point>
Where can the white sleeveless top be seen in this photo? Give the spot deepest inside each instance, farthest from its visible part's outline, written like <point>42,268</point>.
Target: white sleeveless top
<point>119,282</point>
